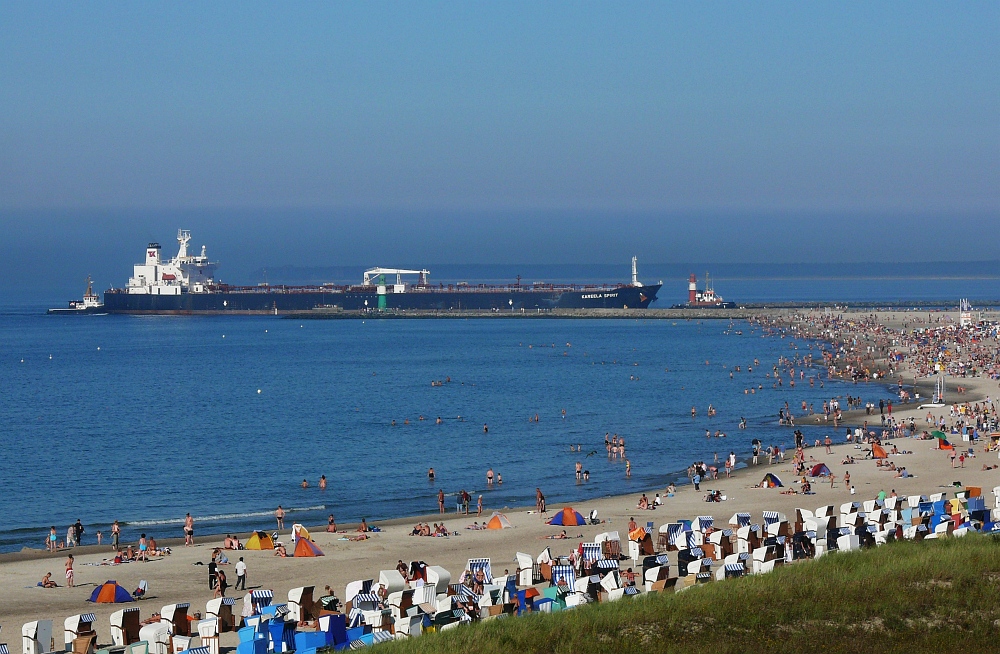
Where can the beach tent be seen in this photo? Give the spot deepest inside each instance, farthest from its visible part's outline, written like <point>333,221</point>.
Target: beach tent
<point>770,480</point>
<point>298,531</point>
<point>878,452</point>
<point>498,521</point>
<point>819,470</point>
<point>110,593</point>
<point>260,540</point>
<point>567,518</point>
<point>305,547</point>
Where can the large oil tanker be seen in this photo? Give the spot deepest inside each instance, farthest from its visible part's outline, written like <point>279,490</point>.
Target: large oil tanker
<point>186,284</point>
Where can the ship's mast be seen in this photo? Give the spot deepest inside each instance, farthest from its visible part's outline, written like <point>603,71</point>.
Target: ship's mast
<point>183,237</point>
<point>635,273</point>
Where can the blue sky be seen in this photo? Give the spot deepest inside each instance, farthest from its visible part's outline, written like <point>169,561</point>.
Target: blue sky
<point>434,129</point>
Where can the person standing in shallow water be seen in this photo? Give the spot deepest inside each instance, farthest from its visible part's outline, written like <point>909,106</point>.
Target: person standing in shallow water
<point>279,517</point>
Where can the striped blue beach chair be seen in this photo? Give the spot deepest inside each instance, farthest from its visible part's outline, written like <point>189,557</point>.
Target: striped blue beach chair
<point>591,552</point>
<point>466,594</point>
<point>735,570</point>
<point>3,648</point>
<point>631,591</point>
<point>771,517</point>
<point>197,650</point>
<point>259,599</point>
<point>703,522</point>
<point>366,601</point>
<point>355,619</point>
<point>381,637</point>
<point>674,533</point>
<point>564,573</point>
<point>475,565</point>
<point>742,519</point>
<point>606,565</point>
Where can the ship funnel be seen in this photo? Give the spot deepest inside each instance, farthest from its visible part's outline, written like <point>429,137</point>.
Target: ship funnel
<point>153,254</point>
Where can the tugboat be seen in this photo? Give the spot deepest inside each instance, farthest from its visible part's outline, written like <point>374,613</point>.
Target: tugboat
<point>90,304</point>
<point>706,299</point>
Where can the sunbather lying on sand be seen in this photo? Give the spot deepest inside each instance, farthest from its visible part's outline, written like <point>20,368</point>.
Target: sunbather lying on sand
<point>280,551</point>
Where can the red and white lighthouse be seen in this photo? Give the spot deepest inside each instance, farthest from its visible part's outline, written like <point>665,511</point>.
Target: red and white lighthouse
<point>692,290</point>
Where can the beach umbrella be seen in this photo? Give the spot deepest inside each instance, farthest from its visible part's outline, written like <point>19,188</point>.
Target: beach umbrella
<point>110,593</point>
<point>939,434</point>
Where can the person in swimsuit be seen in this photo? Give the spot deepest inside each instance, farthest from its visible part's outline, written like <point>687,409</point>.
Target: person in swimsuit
<point>69,571</point>
<point>52,539</point>
<point>116,531</point>
<point>279,516</point>
<point>188,530</point>
<point>142,548</point>
<point>322,482</point>
<point>47,582</point>
<point>220,583</point>
<point>331,525</point>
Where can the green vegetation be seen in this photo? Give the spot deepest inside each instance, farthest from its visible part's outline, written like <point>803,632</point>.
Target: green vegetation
<point>932,596</point>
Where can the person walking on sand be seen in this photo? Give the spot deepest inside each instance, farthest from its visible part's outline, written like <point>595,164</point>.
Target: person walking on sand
<point>479,506</point>
<point>188,530</point>
<point>441,500</point>
<point>69,571</point>
<point>847,480</point>
<point>241,575</point>
<point>279,516</point>
<point>116,532</point>
<point>827,443</point>
<point>220,583</point>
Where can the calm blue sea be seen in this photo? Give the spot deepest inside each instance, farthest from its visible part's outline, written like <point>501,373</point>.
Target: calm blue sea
<point>143,419</point>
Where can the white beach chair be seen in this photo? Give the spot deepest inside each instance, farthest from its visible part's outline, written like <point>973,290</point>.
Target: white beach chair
<point>208,632</point>
<point>824,511</point>
<point>79,626</point>
<point>526,567</point>
<point>439,578</point>
<point>221,609</point>
<point>356,587</point>
<point>125,626</point>
<point>157,636</point>
<point>175,617</point>
<point>392,580</point>
<point>36,637</point>
<point>300,602</point>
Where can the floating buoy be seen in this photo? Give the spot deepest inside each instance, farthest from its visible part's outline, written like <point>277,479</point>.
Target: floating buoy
<point>50,357</point>
<point>223,336</point>
<point>98,348</point>
<point>258,391</point>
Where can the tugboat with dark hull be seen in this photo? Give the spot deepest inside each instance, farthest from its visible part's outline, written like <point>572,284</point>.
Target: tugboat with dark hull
<point>89,305</point>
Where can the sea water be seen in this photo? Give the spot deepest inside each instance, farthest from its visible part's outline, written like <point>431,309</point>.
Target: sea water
<point>144,419</point>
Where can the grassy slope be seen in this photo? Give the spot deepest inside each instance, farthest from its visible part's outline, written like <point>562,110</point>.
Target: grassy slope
<point>918,597</point>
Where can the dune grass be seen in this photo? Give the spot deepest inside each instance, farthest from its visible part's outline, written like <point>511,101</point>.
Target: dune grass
<point>933,596</point>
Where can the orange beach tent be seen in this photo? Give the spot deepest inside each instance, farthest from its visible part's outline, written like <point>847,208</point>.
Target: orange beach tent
<point>498,521</point>
<point>878,452</point>
<point>305,547</point>
<point>567,518</point>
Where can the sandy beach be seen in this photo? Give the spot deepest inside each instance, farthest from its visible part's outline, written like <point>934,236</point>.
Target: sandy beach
<point>178,578</point>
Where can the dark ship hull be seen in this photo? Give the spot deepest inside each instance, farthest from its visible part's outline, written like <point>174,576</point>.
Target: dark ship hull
<point>285,299</point>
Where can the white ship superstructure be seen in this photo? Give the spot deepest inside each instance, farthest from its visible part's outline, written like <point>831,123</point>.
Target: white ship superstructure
<point>183,274</point>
